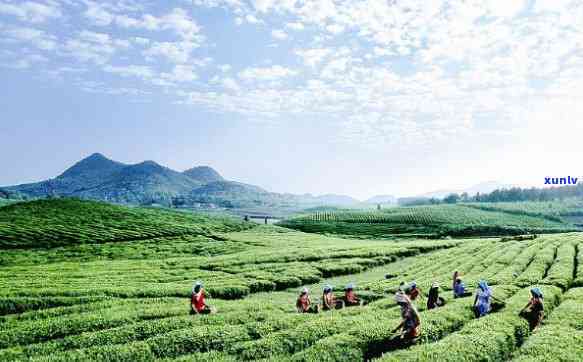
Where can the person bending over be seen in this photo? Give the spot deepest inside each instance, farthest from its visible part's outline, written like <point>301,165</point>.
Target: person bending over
<point>410,326</point>
<point>433,299</point>
<point>534,311</point>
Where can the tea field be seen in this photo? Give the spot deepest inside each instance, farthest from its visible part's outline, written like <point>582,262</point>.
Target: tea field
<point>118,290</point>
<point>430,221</point>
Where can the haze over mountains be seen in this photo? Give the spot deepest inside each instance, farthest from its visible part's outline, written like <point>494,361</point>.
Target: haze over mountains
<point>99,178</point>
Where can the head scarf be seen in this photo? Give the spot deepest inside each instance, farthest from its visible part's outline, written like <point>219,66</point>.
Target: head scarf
<point>350,286</point>
<point>483,285</point>
<point>305,290</point>
<point>435,285</point>
<point>401,297</point>
<point>537,293</point>
<point>327,288</point>
<point>413,285</point>
<point>196,287</point>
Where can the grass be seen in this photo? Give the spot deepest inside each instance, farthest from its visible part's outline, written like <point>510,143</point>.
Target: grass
<point>117,299</point>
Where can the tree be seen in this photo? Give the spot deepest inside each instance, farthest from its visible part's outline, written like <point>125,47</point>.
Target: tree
<point>451,199</point>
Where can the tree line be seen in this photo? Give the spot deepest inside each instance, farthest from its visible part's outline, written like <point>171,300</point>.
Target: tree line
<point>513,194</point>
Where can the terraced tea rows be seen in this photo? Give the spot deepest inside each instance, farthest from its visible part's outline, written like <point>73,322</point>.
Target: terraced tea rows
<point>121,307</point>
<point>438,220</point>
<point>63,222</point>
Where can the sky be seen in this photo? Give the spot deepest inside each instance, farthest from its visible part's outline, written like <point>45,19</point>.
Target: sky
<point>356,97</point>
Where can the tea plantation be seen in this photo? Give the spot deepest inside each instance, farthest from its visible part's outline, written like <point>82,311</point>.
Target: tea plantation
<point>86,281</point>
<point>432,221</point>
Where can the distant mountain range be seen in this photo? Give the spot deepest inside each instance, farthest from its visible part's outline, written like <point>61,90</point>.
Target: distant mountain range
<point>99,178</point>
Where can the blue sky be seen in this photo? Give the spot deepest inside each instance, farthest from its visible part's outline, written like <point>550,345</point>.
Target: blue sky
<point>357,97</point>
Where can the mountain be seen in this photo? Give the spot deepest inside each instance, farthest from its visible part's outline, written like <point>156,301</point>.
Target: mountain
<point>382,199</point>
<point>482,188</point>
<point>87,173</point>
<point>203,174</point>
<point>145,182</point>
<point>99,178</point>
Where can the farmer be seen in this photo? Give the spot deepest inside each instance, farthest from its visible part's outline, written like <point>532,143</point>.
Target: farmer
<point>459,289</point>
<point>534,311</point>
<point>304,304</point>
<point>329,302</point>
<point>413,292</point>
<point>433,299</point>
<point>197,303</point>
<point>411,321</point>
<point>482,300</point>
<point>350,299</point>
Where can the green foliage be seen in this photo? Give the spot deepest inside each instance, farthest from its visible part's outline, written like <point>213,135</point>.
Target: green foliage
<point>561,337</point>
<point>129,300</point>
<point>59,222</point>
<point>494,337</point>
<point>436,220</point>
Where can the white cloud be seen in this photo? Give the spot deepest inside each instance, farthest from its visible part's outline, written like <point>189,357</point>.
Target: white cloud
<point>177,52</point>
<point>295,26</point>
<point>176,20</point>
<point>313,57</point>
<point>231,84</point>
<point>141,41</point>
<point>251,19</point>
<point>90,46</point>
<point>91,36</point>
<point>417,69</point>
<point>272,73</point>
<point>335,29</point>
<point>139,71</point>
<point>279,34</point>
<point>98,14</point>
<point>263,5</point>
<point>38,38</point>
<point>181,73</point>
<point>505,8</point>
<point>24,61</point>
<point>34,12</point>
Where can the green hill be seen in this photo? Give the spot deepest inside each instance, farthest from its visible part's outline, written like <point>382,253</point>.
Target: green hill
<point>60,222</point>
<point>438,220</point>
<point>203,174</point>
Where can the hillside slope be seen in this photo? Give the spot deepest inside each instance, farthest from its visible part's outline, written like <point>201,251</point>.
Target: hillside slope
<point>59,222</point>
<point>439,220</point>
<point>203,174</point>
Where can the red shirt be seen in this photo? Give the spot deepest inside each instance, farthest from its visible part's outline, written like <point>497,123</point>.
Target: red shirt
<point>414,293</point>
<point>198,301</point>
<point>303,303</point>
<point>350,296</point>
